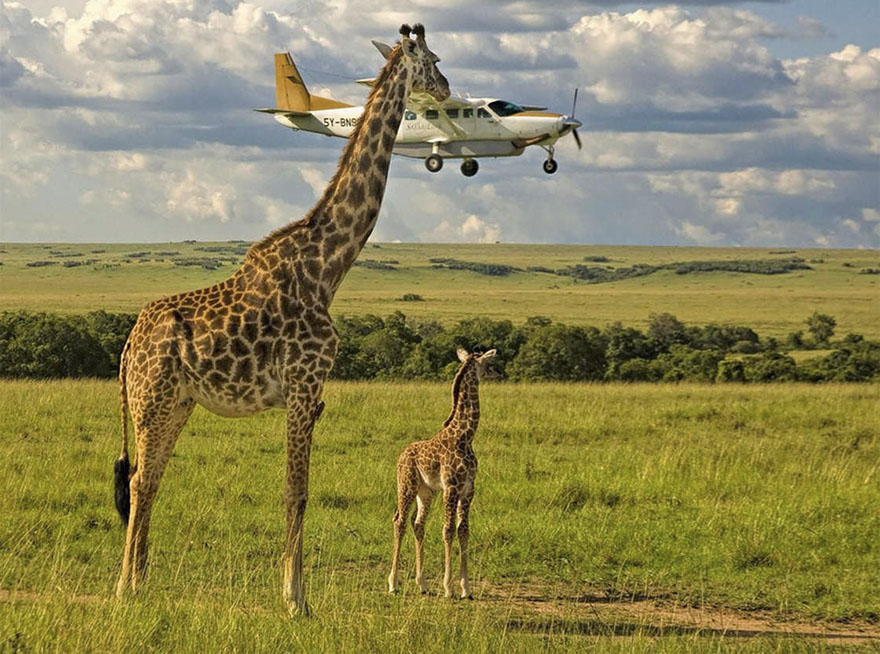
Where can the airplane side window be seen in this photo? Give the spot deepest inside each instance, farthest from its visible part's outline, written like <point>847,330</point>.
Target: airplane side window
<point>409,115</point>
<point>467,113</point>
<point>432,114</point>
<point>482,113</point>
<point>452,113</point>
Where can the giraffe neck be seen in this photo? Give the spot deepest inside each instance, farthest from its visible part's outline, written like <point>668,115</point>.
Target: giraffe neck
<point>465,415</point>
<point>314,254</point>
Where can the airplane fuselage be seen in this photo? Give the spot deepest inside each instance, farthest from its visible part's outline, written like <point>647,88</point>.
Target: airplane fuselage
<point>473,131</point>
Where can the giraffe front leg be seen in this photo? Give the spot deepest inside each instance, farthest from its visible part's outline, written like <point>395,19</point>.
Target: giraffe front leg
<point>450,504</point>
<point>423,501</point>
<point>300,421</point>
<point>463,510</point>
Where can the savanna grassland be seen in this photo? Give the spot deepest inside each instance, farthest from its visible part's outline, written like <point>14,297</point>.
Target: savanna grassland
<point>610,517</point>
<point>123,277</point>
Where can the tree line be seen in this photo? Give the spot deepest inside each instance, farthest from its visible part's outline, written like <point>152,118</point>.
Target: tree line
<point>47,345</point>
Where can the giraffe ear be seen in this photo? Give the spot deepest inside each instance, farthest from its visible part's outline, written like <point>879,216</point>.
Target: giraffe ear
<point>488,355</point>
<point>462,355</point>
<point>384,48</point>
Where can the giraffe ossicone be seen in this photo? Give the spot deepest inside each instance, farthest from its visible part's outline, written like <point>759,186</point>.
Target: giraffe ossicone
<point>444,463</point>
<point>262,338</point>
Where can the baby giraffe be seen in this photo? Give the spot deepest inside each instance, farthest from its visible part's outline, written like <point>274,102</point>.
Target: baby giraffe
<point>445,462</point>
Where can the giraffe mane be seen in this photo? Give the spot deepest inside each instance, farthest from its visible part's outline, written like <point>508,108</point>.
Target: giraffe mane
<point>456,389</point>
<point>306,221</point>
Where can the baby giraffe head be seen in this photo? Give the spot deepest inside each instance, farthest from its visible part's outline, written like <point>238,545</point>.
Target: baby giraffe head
<point>480,360</point>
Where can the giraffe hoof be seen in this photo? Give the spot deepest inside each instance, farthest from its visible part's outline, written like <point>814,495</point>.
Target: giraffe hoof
<point>296,610</point>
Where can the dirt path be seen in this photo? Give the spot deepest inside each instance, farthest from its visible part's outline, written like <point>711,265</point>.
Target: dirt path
<point>543,608</point>
<point>539,607</point>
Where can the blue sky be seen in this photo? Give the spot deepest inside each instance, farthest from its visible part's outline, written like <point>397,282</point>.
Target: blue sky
<point>705,123</point>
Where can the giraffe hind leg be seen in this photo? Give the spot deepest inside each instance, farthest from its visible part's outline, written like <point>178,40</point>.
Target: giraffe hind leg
<point>407,485</point>
<point>154,444</point>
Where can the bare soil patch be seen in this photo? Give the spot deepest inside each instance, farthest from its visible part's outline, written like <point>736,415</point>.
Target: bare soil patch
<point>535,606</point>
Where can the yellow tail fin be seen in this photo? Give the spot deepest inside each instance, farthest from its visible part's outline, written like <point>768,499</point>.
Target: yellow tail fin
<point>291,92</point>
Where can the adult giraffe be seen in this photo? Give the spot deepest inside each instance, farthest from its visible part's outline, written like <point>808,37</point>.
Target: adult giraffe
<point>263,338</point>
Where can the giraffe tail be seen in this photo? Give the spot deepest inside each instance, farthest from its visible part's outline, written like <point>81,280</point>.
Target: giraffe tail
<point>122,467</point>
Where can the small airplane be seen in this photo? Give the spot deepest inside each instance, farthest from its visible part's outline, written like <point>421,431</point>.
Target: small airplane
<point>457,128</point>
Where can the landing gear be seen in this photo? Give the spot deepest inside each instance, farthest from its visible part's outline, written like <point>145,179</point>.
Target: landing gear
<point>469,167</point>
<point>550,165</point>
<point>434,162</point>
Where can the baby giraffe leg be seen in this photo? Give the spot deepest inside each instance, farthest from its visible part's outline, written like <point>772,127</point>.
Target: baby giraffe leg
<point>423,501</point>
<point>463,508</point>
<point>406,493</point>
<point>450,504</point>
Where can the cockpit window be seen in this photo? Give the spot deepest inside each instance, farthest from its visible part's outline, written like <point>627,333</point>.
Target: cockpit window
<point>503,108</point>
<point>409,115</point>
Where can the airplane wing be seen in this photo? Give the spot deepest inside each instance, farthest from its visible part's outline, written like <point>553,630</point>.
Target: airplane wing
<point>286,112</point>
<point>422,102</point>
<point>533,107</point>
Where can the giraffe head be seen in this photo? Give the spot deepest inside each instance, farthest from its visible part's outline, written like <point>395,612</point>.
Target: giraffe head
<point>422,63</point>
<point>480,360</point>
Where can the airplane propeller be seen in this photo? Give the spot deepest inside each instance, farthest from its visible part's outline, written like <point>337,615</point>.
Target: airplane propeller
<point>573,122</point>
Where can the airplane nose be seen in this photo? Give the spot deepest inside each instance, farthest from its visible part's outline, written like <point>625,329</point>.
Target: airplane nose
<point>572,122</point>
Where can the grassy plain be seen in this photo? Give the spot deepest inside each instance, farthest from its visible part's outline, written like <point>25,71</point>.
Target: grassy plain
<point>774,305</point>
<point>604,516</point>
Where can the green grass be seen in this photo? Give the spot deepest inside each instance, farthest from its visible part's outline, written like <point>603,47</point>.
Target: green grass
<point>774,305</point>
<point>756,500</point>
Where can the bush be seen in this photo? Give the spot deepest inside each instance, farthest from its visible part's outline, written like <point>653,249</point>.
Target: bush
<point>43,345</point>
<point>557,352</point>
<point>821,327</point>
<point>491,269</point>
<point>857,361</point>
<point>770,367</point>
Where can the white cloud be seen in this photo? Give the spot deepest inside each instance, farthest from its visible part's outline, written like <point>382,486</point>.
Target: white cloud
<point>472,230</point>
<point>195,199</point>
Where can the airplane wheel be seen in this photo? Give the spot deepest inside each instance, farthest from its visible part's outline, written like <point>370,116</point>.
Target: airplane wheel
<point>434,162</point>
<point>469,167</point>
<point>550,166</point>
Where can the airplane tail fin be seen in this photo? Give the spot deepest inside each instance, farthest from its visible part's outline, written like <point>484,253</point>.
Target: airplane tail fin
<point>291,92</point>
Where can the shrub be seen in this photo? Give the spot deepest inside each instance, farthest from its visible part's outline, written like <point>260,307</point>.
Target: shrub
<point>770,367</point>
<point>557,352</point>
<point>43,345</point>
<point>821,327</point>
<point>491,269</point>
